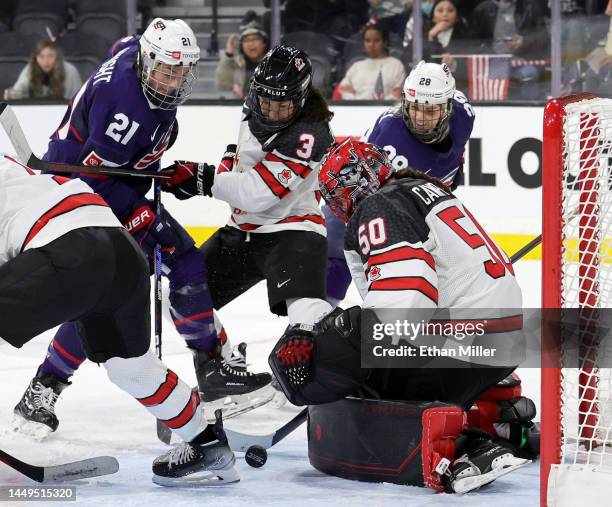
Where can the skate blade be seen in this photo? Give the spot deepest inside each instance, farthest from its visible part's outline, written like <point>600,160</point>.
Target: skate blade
<point>462,486</point>
<point>32,429</point>
<point>204,479</point>
<point>232,406</point>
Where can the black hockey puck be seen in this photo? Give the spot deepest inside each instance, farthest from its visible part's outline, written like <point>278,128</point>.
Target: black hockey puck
<point>256,456</point>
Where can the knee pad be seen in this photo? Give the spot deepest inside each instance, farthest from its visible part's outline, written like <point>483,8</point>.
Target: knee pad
<point>322,363</point>
<point>409,443</point>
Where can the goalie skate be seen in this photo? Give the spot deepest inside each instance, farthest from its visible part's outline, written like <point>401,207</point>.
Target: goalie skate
<point>481,462</point>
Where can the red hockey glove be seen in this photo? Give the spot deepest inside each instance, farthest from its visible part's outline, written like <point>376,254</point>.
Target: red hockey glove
<point>227,161</point>
<point>189,179</point>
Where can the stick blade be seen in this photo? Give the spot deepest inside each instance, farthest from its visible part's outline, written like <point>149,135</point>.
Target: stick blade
<point>83,469</point>
<point>13,130</point>
<point>164,433</point>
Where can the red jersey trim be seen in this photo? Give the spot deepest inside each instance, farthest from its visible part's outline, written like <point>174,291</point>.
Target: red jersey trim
<point>66,205</point>
<point>407,283</point>
<point>270,180</point>
<point>403,253</point>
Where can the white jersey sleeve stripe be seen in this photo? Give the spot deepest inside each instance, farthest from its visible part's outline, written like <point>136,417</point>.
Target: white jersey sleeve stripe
<point>405,283</point>
<point>398,253</point>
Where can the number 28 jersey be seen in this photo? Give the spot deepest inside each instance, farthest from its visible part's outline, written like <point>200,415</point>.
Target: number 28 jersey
<point>414,245</point>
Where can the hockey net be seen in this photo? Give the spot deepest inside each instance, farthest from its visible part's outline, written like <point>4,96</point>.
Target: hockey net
<point>576,445</point>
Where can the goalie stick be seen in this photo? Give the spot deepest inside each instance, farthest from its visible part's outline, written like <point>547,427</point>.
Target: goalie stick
<point>242,441</point>
<point>15,133</point>
<point>83,469</point>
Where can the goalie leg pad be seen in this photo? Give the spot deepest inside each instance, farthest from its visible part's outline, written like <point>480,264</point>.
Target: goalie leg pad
<point>384,441</point>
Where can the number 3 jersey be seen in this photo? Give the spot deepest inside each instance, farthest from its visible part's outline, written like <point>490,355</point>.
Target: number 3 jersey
<point>272,185</point>
<point>404,150</point>
<point>414,245</point>
<point>110,122</point>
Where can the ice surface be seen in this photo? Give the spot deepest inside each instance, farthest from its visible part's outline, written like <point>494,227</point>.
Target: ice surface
<point>97,418</point>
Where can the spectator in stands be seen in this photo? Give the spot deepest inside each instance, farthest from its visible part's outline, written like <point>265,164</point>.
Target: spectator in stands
<point>392,15</point>
<point>46,76</point>
<point>377,77</point>
<point>242,54</point>
<point>445,30</point>
<point>519,28</point>
<point>593,73</point>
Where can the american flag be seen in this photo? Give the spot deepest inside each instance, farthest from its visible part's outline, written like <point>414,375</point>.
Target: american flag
<point>488,76</point>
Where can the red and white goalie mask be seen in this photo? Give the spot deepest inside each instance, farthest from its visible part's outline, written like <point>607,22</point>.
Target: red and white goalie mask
<point>351,171</point>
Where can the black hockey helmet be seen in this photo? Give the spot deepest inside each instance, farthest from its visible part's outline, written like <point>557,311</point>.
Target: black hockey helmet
<point>284,74</point>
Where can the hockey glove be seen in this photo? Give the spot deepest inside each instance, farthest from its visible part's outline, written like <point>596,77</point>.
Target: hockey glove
<point>189,179</point>
<point>149,230</point>
<point>227,161</point>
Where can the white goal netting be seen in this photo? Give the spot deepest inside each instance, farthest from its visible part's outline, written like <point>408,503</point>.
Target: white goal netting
<point>586,283</point>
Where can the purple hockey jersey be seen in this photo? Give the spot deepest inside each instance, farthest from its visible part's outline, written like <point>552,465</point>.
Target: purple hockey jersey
<point>110,122</point>
<point>391,134</point>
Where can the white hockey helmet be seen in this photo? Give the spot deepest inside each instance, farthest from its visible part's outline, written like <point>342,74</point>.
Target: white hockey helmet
<point>169,56</point>
<point>427,101</point>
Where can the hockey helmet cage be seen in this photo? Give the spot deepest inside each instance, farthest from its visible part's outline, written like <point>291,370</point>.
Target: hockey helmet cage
<point>427,100</point>
<point>279,87</point>
<point>350,172</point>
<point>168,60</point>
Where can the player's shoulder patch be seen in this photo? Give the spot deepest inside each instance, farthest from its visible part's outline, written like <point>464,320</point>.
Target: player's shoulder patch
<point>303,140</point>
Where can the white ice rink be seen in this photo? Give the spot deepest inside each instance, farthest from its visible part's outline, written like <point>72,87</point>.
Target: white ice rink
<point>96,418</point>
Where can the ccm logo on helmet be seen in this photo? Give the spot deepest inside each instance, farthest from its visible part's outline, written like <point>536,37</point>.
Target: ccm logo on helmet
<point>299,63</point>
<point>176,55</point>
<point>159,25</point>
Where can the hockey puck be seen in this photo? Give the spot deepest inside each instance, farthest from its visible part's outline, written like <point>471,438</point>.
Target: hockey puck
<point>256,456</point>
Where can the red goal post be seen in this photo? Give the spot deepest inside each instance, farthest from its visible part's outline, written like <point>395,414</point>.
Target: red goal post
<point>576,437</point>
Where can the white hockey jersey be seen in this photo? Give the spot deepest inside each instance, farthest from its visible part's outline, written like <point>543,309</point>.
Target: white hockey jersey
<point>412,245</point>
<point>272,187</point>
<point>36,209</point>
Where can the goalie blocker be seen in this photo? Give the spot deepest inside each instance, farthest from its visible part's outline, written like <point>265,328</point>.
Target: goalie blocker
<point>405,442</point>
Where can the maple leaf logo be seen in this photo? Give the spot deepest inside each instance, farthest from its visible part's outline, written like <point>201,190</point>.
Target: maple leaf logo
<point>374,273</point>
<point>284,176</point>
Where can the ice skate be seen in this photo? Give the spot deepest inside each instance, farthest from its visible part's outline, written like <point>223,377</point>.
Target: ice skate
<point>226,384</point>
<point>206,460</point>
<point>35,412</point>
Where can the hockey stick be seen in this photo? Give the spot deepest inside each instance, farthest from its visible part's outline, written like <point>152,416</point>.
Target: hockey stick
<point>15,133</point>
<point>83,469</point>
<point>242,441</point>
<point>163,432</point>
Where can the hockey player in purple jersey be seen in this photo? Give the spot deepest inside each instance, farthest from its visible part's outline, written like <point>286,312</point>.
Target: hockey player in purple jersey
<point>125,114</point>
<point>428,130</point>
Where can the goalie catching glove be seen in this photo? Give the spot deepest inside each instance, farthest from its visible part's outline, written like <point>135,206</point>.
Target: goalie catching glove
<point>320,363</point>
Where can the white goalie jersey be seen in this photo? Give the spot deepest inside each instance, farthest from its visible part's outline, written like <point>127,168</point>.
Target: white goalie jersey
<point>272,187</point>
<point>36,209</point>
<point>414,245</point>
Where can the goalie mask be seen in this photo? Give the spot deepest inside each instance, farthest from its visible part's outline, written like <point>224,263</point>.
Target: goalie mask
<point>279,89</point>
<point>167,63</point>
<point>427,101</point>
<point>351,171</point>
